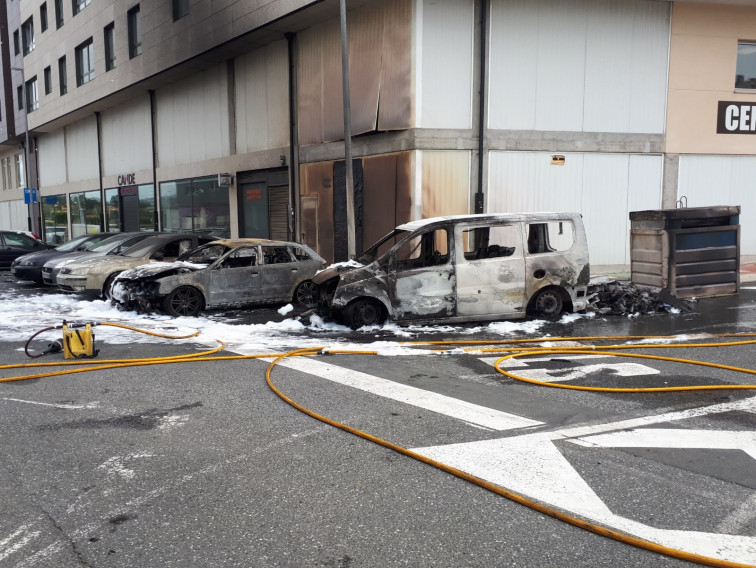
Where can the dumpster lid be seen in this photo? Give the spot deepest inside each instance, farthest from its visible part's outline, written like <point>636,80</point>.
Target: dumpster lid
<point>685,213</point>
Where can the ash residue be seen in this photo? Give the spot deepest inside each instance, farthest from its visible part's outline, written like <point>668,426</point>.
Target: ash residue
<point>621,297</point>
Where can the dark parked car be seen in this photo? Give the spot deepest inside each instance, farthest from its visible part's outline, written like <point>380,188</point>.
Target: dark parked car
<point>225,273</point>
<point>115,244</point>
<point>29,266</point>
<point>17,243</point>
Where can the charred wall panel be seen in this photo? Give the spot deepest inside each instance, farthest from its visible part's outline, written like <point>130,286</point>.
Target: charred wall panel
<point>379,35</point>
<point>445,183</point>
<point>340,233</point>
<point>316,185</point>
<point>387,195</point>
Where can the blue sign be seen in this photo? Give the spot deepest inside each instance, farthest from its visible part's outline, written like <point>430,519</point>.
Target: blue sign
<point>51,199</point>
<point>30,195</point>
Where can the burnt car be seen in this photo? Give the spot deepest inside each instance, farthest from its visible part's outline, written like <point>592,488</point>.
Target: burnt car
<point>29,266</point>
<point>95,276</point>
<point>225,273</point>
<point>463,268</point>
<point>17,243</point>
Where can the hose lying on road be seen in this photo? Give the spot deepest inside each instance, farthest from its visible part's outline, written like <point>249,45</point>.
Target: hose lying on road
<point>526,348</point>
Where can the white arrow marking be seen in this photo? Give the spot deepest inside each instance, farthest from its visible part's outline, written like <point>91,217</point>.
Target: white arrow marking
<point>63,406</point>
<point>570,374</point>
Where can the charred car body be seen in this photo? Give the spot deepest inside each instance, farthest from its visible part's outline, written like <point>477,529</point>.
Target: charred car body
<point>464,268</point>
<point>225,273</point>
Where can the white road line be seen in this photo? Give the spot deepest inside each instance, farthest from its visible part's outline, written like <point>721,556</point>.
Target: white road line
<point>675,438</point>
<point>63,406</point>
<point>573,373</point>
<point>16,541</point>
<point>519,363</point>
<point>739,518</point>
<point>446,405</point>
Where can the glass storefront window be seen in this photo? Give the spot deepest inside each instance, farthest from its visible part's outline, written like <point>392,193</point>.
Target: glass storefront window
<point>86,208</point>
<point>140,214</point>
<point>55,215</point>
<point>195,205</point>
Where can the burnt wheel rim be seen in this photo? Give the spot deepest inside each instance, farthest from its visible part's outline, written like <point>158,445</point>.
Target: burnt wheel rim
<point>306,293</point>
<point>185,302</point>
<point>549,304</point>
<point>366,314</point>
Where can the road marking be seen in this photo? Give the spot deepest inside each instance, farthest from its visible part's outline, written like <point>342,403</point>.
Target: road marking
<point>519,363</point>
<point>63,406</point>
<point>675,438</point>
<point>739,518</point>
<point>446,405</point>
<point>572,373</point>
<point>16,541</point>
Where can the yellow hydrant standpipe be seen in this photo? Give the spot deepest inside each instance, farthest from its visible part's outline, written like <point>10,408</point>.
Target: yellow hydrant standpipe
<point>527,347</point>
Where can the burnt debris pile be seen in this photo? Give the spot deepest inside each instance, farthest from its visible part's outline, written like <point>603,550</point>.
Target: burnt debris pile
<point>621,297</point>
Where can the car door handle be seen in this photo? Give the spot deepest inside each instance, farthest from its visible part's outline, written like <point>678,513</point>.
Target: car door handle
<point>294,270</point>
<point>254,273</point>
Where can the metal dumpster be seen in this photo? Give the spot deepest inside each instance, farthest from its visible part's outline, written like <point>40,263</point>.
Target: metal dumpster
<point>691,251</point>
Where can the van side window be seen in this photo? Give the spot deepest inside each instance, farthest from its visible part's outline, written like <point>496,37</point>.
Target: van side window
<point>554,236</point>
<point>489,242</point>
<point>429,249</point>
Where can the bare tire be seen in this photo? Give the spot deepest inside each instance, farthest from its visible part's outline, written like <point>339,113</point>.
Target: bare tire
<point>306,294</point>
<point>108,285</point>
<point>548,304</point>
<point>183,301</point>
<point>364,312</point>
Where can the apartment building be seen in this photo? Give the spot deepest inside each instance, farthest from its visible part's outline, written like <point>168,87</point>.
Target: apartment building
<point>226,116</point>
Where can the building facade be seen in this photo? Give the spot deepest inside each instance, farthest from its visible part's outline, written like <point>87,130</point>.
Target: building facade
<point>226,116</point>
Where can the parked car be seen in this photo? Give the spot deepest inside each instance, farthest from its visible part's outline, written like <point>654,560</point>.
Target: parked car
<point>95,276</point>
<point>29,266</point>
<point>464,268</point>
<point>114,244</point>
<point>225,273</point>
<point>17,243</point>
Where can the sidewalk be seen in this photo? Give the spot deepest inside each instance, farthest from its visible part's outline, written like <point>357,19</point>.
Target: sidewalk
<point>622,271</point>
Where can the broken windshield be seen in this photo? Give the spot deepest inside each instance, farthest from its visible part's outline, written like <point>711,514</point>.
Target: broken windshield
<point>382,246</point>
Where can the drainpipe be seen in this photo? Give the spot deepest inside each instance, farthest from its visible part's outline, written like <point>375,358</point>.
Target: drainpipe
<point>103,204</point>
<point>293,224</point>
<point>153,110</point>
<point>351,244</point>
<point>479,196</point>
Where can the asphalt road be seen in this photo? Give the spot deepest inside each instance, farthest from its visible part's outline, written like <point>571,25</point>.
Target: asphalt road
<point>202,464</point>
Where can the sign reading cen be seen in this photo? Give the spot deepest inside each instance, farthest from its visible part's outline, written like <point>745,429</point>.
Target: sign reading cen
<point>736,117</point>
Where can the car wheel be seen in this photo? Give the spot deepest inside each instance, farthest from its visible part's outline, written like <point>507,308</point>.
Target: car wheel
<point>306,294</point>
<point>184,301</point>
<point>108,286</point>
<point>549,304</point>
<point>364,312</point>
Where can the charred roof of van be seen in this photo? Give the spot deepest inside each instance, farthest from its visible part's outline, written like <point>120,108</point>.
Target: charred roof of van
<point>489,218</point>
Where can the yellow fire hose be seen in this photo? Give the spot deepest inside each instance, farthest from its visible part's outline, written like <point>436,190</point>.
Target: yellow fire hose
<point>525,349</point>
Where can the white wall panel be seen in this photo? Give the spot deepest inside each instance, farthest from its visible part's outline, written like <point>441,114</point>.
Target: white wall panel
<point>126,135</point>
<point>722,180</point>
<point>14,215</point>
<point>262,99</point>
<point>578,65</point>
<point>192,119</point>
<point>52,158</point>
<point>82,154</point>
<point>447,63</point>
<point>603,187</point>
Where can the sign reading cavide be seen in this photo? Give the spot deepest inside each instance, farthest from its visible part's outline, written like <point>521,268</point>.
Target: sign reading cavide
<point>736,117</point>
<point>126,179</point>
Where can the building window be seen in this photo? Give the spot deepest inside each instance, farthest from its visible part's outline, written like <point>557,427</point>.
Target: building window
<point>110,57</point>
<point>79,5</point>
<point>16,43</point>
<point>48,80</point>
<point>20,171</point>
<point>55,215</point>
<point>86,209</point>
<point>180,9</point>
<point>85,65</point>
<point>62,75</point>
<point>27,35</point>
<point>135,32</point>
<point>58,14</point>
<point>745,70</point>
<point>43,17</point>
<point>20,96</point>
<point>195,204</point>
<point>32,95</point>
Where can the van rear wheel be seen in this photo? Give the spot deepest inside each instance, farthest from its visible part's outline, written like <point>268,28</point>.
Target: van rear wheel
<point>364,312</point>
<point>549,304</point>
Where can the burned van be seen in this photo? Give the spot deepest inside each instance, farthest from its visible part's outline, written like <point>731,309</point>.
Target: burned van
<point>463,268</point>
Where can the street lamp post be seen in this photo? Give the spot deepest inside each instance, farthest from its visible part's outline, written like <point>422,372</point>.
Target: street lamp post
<point>32,217</point>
